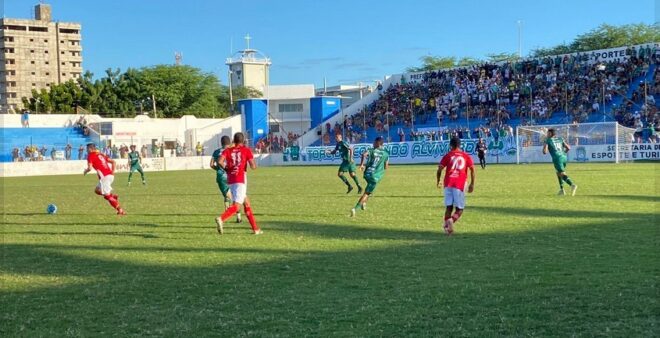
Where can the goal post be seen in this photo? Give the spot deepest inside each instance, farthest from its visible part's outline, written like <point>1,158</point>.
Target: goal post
<point>589,142</point>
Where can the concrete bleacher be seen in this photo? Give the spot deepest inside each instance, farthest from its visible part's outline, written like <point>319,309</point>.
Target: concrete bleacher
<point>51,138</point>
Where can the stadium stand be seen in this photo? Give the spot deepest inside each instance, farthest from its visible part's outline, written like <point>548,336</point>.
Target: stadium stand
<point>32,144</point>
<point>486,99</point>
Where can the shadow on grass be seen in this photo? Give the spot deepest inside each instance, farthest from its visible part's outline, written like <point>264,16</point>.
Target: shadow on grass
<point>527,283</point>
<point>640,198</point>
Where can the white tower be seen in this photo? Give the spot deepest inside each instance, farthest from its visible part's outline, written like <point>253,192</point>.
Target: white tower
<point>249,68</point>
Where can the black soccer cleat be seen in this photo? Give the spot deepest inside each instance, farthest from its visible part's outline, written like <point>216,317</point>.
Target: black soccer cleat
<point>350,188</point>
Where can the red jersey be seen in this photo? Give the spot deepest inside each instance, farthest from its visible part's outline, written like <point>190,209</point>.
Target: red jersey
<point>100,163</point>
<point>236,162</point>
<point>457,163</point>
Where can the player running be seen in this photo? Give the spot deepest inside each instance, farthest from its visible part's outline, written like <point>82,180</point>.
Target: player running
<point>221,174</point>
<point>347,163</point>
<point>135,163</point>
<point>105,168</point>
<point>379,161</point>
<point>481,152</point>
<point>234,160</point>
<point>457,163</point>
<point>558,149</point>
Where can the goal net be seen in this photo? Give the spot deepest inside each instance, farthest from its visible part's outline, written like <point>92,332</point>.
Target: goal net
<point>589,142</point>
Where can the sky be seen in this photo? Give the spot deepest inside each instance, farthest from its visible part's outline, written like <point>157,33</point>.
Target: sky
<point>344,41</point>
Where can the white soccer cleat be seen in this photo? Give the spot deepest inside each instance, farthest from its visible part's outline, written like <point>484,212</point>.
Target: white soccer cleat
<point>353,212</point>
<point>258,232</point>
<point>219,225</point>
<point>363,206</point>
<point>573,189</point>
<point>561,192</point>
<point>238,218</point>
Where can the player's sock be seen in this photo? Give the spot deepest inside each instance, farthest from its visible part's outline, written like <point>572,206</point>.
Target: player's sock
<point>112,200</point>
<point>250,217</point>
<point>561,183</point>
<point>229,212</point>
<point>457,214</point>
<point>567,180</point>
<point>343,179</point>
<point>355,179</point>
<point>129,177</point>
<point>358,205</point>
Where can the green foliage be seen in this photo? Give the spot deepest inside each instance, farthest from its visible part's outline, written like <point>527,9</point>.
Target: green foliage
<point>178,91</point>
<point>523,262</point>
<point>603,37</point>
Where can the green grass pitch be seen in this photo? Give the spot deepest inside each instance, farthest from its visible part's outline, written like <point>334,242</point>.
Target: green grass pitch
<point>523,261</point>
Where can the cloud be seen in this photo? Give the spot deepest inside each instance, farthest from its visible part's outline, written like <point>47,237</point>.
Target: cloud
<point>318,61</point>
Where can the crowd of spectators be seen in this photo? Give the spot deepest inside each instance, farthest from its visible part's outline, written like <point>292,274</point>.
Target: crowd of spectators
<point>530,91</point>
<point>272,143</point>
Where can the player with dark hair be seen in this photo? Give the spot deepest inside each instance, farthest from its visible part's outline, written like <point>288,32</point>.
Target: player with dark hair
<point>221,174</point>
<point>482,148</point>
<point>457,163</point>
<point>558,149</point>
<point>347,164</point>
<point>378,161</point>
<point>135,164</point>
<point>105,168</point>
<point>234,160</point>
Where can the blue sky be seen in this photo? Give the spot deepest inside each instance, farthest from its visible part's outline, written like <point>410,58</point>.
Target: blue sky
<point>345,41</point>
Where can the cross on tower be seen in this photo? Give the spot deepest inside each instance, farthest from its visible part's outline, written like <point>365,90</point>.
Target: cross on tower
<point>247,40</point>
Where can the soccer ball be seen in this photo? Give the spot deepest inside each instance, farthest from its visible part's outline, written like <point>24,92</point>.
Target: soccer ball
<point>51,209</point>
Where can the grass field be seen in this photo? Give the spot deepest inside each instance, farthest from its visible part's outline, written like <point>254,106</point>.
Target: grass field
<point>523,261</point>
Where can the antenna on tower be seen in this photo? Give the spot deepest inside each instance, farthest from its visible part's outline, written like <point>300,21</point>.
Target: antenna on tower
<point>247,40</point>
<point>178,58</point>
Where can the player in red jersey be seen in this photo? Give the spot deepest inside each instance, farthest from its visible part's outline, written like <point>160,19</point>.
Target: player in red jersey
<point>457,163</point>
<point>234,160</point>
<point>105,168</point>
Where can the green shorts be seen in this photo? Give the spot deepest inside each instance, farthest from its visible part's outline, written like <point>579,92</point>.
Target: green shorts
<point>136,167</point>
<point>560,164</point>
<point>221,179</point>
<point>347,166</point>
<point>372,182</point>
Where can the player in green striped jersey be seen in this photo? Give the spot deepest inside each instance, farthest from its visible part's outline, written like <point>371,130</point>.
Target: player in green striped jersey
<point>558,149</point>
<point>377,161</point>
<point>347,163</point>
<point>221,174</point>
<point>135,164</point>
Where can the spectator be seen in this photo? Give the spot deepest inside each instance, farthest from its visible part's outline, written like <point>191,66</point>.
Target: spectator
<point>199,149</point>
<point>81,150</point>
<point>67,151</point>
<point>25,119</point>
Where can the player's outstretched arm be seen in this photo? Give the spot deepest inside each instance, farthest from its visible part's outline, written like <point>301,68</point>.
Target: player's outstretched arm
<point>438,176</point>
<point>567,148</point>
<point>350,154</point>
<point>88,169</point>
<point>545,149</point>
<point>112,162</point>
<point>387,164</point>
<point>362,159</point>
<point>472,176</point>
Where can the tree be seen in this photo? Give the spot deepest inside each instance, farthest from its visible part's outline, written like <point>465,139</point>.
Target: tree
<point>430,63</point>
<point>502,57</point>
<point>603,37</point>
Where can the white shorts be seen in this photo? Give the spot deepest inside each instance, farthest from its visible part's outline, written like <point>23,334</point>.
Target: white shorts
<point>454,197</point>
<point>238,192</point>
<point>105,184</point>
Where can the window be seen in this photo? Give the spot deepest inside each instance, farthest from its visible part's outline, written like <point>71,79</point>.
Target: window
<point>33,73</point>
<point>34,84</point>
<point>31,40</point>
<point>63,63</point>
<point>47,62</point>
<point>290,108</point>
<point>11,72</point>
<point>46,41</point>
<point>62,52</point>
<point>69,31</point>
<point>14,28</point>
<point>12,95</point>
<point>11,84</point>
<point>9,50</point>
<point>46,52</point>
<point>61,41</point>
<point>38,29</point>
<point>10,61</point>
<point>63,74</point>
<point>47,84</point>
<point>31,50</point>
<point>9,39</point>
<point>47,74</point>
<point>32,62</point>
